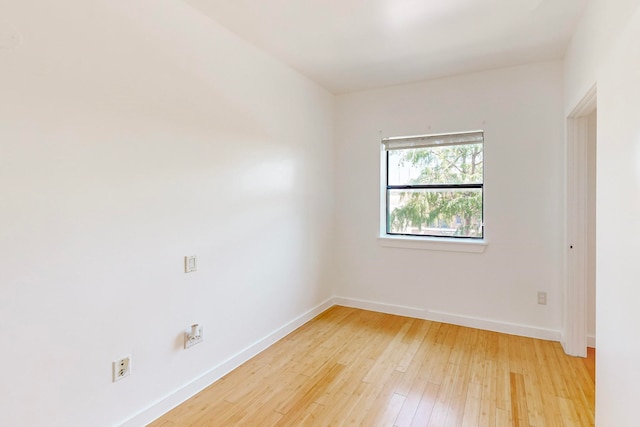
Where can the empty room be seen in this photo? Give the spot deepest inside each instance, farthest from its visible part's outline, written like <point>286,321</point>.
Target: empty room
<point>308,213</point>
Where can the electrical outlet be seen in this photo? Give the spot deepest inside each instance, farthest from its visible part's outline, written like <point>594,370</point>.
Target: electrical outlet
<point>193,336</point>
<point>542,298</point>
<point>121,368</point>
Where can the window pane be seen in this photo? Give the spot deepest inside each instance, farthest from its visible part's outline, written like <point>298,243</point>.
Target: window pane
<point>457,164</point>
<point>428,212</point>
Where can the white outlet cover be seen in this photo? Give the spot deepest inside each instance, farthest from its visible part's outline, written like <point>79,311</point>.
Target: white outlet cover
<point>190,340</point>
<point>542,298</point>
<point>121,368</point>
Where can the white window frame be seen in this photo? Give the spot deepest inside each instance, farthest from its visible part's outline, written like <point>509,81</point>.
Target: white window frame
<point>458,244</point>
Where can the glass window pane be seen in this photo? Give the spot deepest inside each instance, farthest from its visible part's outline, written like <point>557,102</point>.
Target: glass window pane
<point>429,212</point>
<point>457,164</point>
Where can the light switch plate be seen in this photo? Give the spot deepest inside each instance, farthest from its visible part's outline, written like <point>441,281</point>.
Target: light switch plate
<point>190,263</point>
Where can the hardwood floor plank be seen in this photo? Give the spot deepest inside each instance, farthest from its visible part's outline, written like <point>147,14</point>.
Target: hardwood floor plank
<point>503,389</point>
<point>519,410</point>
<point>310,389</point>
<point>471,415</point>
<point>445,397</point>
<point>569,414</point>
<point>503,418</point>
<point>359,368</point>
<point>489,395</point>
<point>462,380</point>
<point>361,407</point>
<point>384,399</point>
<point>388,416</point>
<point>422,366</point>
<point>425,408</point>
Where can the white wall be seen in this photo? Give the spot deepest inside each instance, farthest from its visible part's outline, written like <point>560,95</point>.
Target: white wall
<point>592,40</point>
<point>133,133</point>
<point>605,51</point>
<point>520,110</point>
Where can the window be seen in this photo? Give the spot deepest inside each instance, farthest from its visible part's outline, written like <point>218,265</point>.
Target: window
<point>434,185</point>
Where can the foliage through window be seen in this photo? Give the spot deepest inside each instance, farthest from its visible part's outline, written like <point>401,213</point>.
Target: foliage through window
<point>434,185</point>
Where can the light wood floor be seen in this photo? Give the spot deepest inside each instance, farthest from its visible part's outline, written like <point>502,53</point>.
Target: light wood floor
<point>355,367</point>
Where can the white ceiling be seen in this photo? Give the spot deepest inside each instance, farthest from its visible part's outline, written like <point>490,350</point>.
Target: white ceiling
<point>349,45</point>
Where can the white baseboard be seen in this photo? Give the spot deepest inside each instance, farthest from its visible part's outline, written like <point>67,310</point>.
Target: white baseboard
<point>591,341</point>
<point>164,405</point>
<point>496,326</point>
<point>454,319</point>
<point>398,310</point>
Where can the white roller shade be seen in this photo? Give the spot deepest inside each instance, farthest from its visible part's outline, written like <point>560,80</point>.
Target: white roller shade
<point>439,140</point>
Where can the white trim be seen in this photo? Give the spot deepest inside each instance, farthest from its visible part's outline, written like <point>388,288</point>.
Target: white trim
<point>495,325</point>
<point>173,399</point>
<point>382,201</point>
<point>434,244</point>
<point>398,310</point>
<point>575,319</point>
<point>574,340</point>
<point>454,319</point>
<point>591,341</point>
<point>588,104</point>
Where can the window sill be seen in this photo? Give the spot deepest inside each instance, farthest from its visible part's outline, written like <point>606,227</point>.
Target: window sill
<point>434,244</point>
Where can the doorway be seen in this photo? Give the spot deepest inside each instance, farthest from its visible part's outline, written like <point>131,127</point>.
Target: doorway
<point>580,292</point>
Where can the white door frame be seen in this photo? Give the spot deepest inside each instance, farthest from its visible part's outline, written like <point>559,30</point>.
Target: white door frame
<point>574,340</point>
